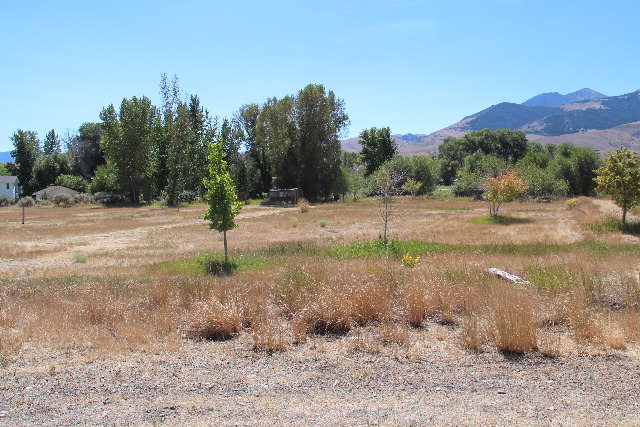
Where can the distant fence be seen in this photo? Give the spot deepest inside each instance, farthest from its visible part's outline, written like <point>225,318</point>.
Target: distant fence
<point>285,195</point>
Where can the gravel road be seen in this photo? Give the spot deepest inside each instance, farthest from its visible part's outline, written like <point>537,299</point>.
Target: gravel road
<point>318,383</point>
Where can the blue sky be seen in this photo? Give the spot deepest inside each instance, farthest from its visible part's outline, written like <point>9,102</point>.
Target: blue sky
<point>415,66</point>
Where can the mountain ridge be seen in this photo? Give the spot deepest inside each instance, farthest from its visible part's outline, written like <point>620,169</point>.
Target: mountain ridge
<point>602,123</point>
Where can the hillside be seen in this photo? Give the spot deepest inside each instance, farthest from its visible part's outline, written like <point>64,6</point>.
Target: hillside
<point>5,157</point>
<point>601,123</point>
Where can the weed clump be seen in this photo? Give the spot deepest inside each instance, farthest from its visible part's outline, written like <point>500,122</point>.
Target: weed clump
<point>212,321</point>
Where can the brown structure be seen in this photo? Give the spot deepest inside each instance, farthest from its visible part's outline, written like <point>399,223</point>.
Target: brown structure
<point>285,195</point>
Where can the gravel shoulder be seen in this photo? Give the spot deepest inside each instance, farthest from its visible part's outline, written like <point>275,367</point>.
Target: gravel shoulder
<point>318,383</point>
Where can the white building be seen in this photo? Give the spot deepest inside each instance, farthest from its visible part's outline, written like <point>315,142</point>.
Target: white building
<point>9,187</point>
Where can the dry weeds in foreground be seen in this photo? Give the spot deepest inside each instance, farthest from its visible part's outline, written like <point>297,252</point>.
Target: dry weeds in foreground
<point>281,307</point>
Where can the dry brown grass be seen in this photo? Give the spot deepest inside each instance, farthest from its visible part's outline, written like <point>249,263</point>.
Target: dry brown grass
<point>513,326</point>
<point>118,300</point>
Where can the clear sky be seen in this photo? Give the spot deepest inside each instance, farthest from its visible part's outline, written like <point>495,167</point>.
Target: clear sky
<point>415,66</point>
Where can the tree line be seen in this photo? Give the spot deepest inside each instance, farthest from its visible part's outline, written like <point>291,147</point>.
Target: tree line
<point>145,152</point>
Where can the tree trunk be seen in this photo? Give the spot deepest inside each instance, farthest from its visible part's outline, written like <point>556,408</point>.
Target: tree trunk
<point>386,217</point>
<point>624,218</point>
<point>226,258</point>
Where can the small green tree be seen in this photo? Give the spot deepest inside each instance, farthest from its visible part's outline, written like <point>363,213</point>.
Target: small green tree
<point>620,178</point>
<point>221,194</point>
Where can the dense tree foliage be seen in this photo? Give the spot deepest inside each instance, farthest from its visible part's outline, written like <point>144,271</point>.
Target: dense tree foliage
<point>127,143</point>
<point>505,144</point>
<point>85,150</point>
<point>25,152</point>
<point>46,170</point>
<point>51,143</point>
<point>294,141</point>
<point>377,147</point>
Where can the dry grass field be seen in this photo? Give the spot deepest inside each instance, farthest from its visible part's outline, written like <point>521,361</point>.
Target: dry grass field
<point>107,316</point>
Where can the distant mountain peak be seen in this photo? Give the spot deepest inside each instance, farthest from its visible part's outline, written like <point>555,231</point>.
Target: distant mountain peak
<point>555,99</point>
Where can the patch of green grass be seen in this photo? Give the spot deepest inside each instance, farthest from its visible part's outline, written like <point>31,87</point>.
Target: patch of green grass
<point>500,219</point>
<point>213,263</point>
<point>397,248</point>
<point>550,278</point>
<point>613,225</point>
<point>323,223</point>
<point>80,257</point>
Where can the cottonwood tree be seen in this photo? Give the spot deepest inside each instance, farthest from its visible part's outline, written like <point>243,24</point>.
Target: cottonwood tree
<point>25,152</point>
<point>377,147</point>
<point>620,178</point>
<point>127,143</point>
<point>505,188</point>
<point>221,194</point>
<point>85,150</point>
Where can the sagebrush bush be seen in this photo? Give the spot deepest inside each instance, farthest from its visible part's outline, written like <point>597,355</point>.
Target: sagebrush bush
<point>62,200</point>
<point>4,201</point>
<point>304,206</point>
<point>26,202</point>
<point>83,198</point>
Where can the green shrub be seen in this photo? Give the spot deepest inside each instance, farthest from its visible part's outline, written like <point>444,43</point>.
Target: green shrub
<point>80,257</point>
<point>104,198</point>
<point>294,222</point>
<point>188,196</point>
<point>469,184</point>
<point>104,181</point>
<point>543,184</point>
<point>73,182</point>
<point>4,201</point>
<point>323,223</point>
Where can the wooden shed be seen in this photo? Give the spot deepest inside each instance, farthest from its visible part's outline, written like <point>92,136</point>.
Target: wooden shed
<point>284,195</point>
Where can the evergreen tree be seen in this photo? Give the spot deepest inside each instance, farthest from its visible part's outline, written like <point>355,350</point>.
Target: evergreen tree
<point>51,143</point>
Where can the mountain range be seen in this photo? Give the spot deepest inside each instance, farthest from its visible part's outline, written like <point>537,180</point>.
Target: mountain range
<point>584,118</point>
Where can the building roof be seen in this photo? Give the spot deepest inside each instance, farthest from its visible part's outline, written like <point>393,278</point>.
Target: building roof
<point>53,188</point>
<point>10,179</point>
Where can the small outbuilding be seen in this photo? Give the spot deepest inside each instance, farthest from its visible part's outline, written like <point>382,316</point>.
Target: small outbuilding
<point>9,186</point>
<point>52,191</point>
<point>285,195</point>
